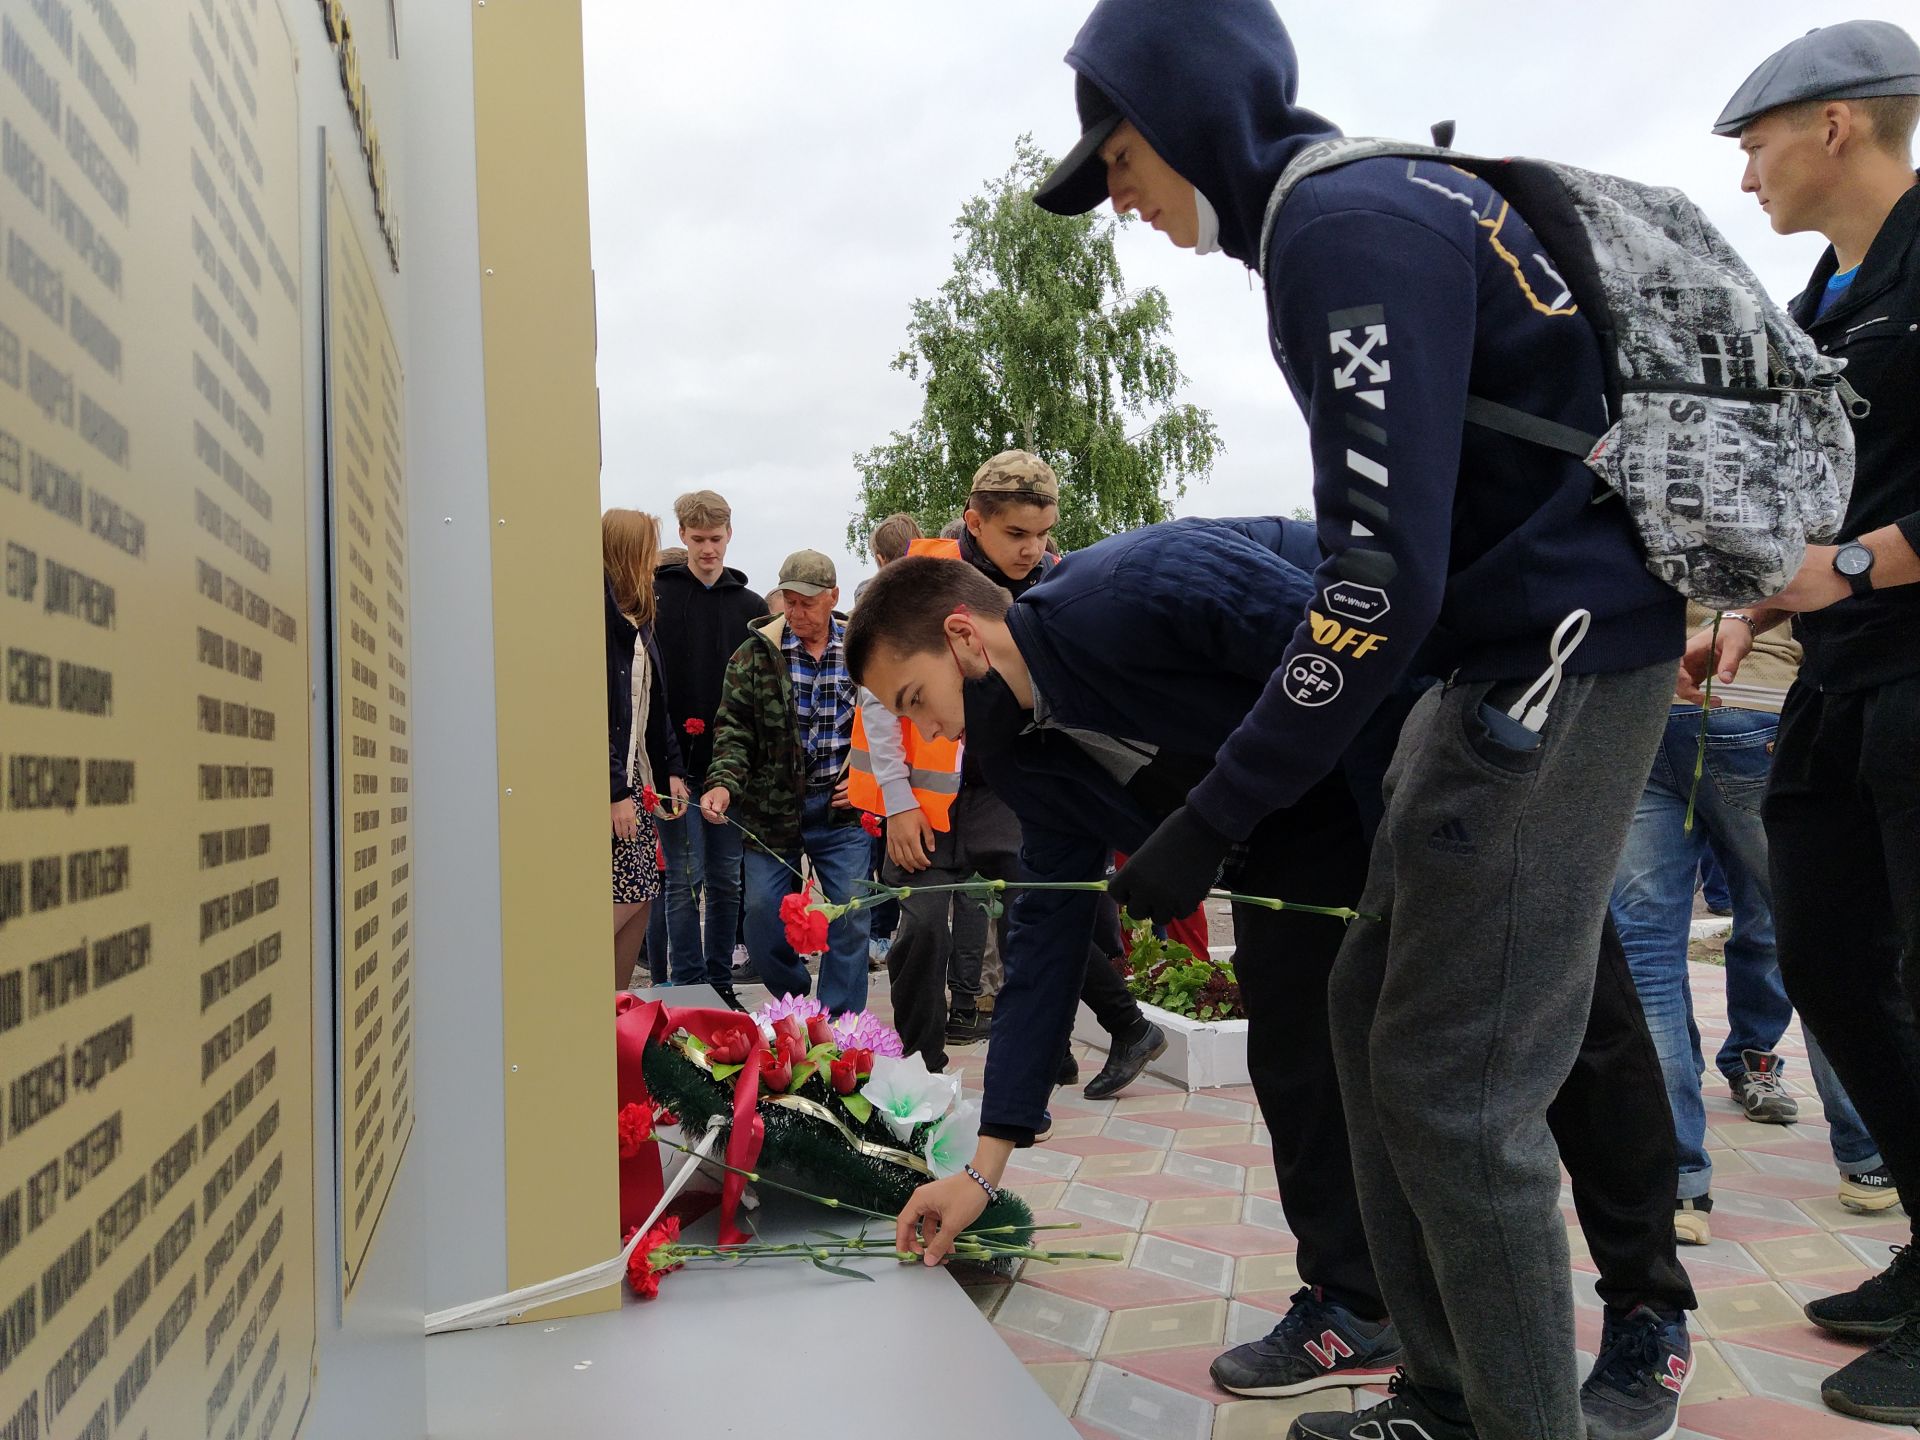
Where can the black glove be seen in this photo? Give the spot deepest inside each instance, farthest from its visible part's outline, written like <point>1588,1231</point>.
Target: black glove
<point>1167,877</point>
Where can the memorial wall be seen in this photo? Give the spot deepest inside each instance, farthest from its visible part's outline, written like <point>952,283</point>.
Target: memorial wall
<point>156,958</point>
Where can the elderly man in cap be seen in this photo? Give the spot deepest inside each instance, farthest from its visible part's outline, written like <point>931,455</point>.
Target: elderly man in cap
<point>1827,128</point>
<point>783,736</point>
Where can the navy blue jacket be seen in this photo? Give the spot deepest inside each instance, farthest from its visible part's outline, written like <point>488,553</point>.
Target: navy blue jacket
<point>1393,290</point>
<point>1163,636</point>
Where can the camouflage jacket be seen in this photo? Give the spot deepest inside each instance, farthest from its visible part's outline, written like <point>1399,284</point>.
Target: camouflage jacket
<point>757,754</point>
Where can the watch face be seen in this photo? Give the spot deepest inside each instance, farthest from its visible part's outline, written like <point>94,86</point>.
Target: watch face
<point>1853,560</point>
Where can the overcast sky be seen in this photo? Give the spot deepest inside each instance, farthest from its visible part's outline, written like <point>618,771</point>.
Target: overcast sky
<point>773,184</point>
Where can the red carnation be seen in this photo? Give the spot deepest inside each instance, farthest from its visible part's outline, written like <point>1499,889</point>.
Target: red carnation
<point>870,823</point>
<point>844,1075</point>
<point>636,1128</point>
<point>695,725</point>
<point>820,1031</point>
<point>643,1268</point>
<point>649,799</point>
<point>806,927</point>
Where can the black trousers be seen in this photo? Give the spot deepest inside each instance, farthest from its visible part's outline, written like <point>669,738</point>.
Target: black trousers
<point>1313,853</point>
<point>1843,841</point>
<point>1615,1132</point>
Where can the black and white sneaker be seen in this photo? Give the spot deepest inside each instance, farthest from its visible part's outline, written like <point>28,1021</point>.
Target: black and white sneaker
<point>1634,1391</point>
<point>1402,1416</point>
<point>1884,1383</point>
<point>1876,1308</point>
<point>1761,1091</point>
<point>1318,1344</point>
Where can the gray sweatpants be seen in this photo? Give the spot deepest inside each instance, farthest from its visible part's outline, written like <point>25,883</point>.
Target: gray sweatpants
<point>1457,1018</point>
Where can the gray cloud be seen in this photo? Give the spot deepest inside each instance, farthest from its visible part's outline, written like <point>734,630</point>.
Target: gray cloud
<point>774,184</point>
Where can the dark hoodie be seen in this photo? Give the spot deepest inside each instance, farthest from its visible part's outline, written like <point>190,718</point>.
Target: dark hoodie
<point>1393,290</point>
<point>698,628</point>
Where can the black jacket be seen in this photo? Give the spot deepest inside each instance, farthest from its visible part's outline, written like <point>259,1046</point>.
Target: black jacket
<point>1875,328</point>
<point>698,628</point>
<point>663,749</point>
<point>1163,637</point>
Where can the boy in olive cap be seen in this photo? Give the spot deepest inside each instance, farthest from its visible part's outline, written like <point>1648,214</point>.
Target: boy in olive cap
<point>1827,128</point>
<point>784,733</point>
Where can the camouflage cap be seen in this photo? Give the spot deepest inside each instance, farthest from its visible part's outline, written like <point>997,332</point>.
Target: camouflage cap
<point>1015,472</point>
<point>807,572</point>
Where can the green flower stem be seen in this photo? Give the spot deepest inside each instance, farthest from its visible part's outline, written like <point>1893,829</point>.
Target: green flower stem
<point>878,893</point>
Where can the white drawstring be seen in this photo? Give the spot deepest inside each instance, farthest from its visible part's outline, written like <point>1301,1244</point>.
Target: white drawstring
<point>1531,712</point>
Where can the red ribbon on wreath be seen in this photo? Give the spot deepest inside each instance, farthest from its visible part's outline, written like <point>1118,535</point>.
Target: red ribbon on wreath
<point>639,1022</point>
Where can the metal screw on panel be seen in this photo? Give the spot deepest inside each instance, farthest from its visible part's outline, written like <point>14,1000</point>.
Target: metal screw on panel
<point>446,520</point>
<point>503,520</point>
<point>509,789</point>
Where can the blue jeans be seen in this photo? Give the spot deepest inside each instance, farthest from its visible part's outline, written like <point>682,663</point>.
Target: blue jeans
<point>1653,909</point>
<point>840,855</point>
<point>703,865</point>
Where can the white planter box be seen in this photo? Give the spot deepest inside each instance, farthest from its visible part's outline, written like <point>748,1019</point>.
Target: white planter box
<point>1200,1054</point>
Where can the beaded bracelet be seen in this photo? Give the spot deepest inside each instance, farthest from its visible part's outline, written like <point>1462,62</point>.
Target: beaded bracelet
<point>993,1192</point>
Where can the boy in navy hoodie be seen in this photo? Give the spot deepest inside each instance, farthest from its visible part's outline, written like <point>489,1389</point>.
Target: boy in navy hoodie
<point>1395,290</point>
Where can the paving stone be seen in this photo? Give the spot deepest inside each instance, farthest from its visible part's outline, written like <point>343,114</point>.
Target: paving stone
<point>1209,1137</point>
<point>1165,1327</point>
<point>1209,1102</point>
<point>1258,1210</point>
<point>1162,1186</point>
<point>1122,1210</point>
<point>1256,1273</point>
<point>1133,1162</point>
<point>1047,1160</point>
<point>1208,1269</point>
<point>1265,1419</point>
<point>1136,1408</point>
<point>1804,1254</point>
<point>1070,1324</point>
<point>1208,1210</point>
<point>1217,1173</point>
<point>1133,1132</point>
<point>1063,1383</point>
<point>1746,1307</point>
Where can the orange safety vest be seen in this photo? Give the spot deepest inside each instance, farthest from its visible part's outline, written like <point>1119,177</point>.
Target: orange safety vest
<point>933,766</point>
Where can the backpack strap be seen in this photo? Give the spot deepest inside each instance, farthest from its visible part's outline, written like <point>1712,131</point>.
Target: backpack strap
<point>1524,425</point>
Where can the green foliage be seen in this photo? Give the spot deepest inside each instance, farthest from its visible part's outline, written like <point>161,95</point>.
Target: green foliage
<point>1034,342</point>
<point>810,1153</point>
<point>1167,974</point>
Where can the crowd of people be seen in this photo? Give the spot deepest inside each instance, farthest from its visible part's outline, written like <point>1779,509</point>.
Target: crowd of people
<point>1389,708</point>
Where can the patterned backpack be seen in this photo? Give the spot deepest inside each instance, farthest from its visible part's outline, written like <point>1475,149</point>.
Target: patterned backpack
<point>1730,442</point>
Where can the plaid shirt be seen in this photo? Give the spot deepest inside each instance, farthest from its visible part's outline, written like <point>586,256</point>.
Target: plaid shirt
<point>825,698</point>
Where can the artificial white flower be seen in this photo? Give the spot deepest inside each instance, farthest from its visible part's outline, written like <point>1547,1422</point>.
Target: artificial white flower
<point>905,1093</point>
<point>950,1144</point>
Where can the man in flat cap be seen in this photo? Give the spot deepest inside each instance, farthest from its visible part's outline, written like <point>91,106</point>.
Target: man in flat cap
<point>1827,126</point>
<point>783,737</point>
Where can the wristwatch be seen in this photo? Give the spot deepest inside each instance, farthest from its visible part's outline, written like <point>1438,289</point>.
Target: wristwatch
<point>1855,562</point>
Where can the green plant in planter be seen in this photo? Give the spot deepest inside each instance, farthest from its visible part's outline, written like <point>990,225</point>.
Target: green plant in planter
<point>1166,974</point>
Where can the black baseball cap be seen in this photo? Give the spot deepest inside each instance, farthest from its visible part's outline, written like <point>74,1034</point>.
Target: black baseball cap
<point>1079,182</point>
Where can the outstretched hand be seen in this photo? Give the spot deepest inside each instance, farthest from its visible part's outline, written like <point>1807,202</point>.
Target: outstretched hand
<point>936,1213</point>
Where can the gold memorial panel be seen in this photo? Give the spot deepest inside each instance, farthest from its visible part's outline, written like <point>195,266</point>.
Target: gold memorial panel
<point>372,764</point>
<point>156,959</point>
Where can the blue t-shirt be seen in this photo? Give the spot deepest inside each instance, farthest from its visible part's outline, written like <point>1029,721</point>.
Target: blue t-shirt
<point>1836,287</point>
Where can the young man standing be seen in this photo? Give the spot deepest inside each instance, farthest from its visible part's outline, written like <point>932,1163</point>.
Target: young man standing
<point>1827,124</point>
<point>783,737</point>
<point>705,608</point>
<point>1395,290</point>
<point>1096,702</point>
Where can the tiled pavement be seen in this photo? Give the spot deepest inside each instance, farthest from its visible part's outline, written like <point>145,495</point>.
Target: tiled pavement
<point>1182,1186</point>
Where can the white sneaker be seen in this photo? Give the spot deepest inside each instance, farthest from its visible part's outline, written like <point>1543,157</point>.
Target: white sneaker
<point>740,957</point>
